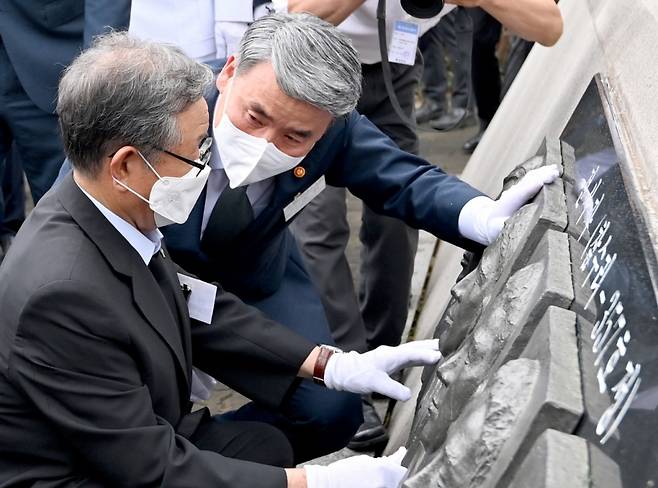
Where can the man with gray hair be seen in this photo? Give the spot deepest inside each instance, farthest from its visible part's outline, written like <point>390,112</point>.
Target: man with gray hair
<point>99,332</point>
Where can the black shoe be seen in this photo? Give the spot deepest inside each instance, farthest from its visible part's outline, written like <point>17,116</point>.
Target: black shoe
<point>428,111</point>
<point>456,119</point>
<point>372,433</point>
<point>470,145</point>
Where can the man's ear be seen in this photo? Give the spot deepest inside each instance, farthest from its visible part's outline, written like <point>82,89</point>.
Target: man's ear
<point>124,164</point>
<point>227,72</point>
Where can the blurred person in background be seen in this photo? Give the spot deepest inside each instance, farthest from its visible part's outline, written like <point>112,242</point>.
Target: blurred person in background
<point>12,200</point>
<point>485,72</point>
<point>212,28</point>
<point>38,39</point>
<point>452,37</point>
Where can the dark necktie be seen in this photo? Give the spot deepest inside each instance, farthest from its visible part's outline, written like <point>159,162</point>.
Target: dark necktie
<point>159,270</point>
<point>230,216</point>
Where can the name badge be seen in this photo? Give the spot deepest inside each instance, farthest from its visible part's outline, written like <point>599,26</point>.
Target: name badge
<point>304,199</point>
<point>402,48</point>
<point>200,298</point>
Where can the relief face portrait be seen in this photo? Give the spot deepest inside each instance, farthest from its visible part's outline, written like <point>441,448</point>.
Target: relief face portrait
<point>477,436</point>
<point>459,376</point>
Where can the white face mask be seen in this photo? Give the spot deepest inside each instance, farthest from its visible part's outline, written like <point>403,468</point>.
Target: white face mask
<point>173,198</point>
<point>246,158</point>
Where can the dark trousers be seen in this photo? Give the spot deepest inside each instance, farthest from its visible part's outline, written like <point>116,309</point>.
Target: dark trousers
<point>453,36</point>
<point>316,420</point>
<point>519,50</point>
<point>388,249</point>
<point>33,132</point>
<point>248,441</point>
<point>12,196</point>
<point>485,72</point>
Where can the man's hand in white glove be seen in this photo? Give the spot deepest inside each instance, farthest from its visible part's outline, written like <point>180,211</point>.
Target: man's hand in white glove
<point>370,372</point>
<point>482,218</point>
<point>359,471</point>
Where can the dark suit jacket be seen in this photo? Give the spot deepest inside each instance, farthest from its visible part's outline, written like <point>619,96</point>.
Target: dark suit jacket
<point>95,367</point>
<point>354,154</point>
<point>43,36</point>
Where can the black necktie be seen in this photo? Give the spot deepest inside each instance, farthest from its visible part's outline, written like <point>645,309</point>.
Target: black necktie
<point>159,270</point>
<point>230,216</point>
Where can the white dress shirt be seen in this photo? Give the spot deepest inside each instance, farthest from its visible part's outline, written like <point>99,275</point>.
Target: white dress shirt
<point>188,24</point>
<point>146,245</point>
<point>204,29</point>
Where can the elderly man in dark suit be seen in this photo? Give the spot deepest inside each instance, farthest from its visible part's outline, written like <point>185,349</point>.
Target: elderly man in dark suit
<point>97,340</point>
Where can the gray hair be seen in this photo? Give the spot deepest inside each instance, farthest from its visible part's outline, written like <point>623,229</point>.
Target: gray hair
<point>312,60</point>
<point>125,91</point>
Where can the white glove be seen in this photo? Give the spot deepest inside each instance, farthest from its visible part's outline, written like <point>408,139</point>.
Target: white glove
<point>482,218</point>
<point>359,471</point>
<point>369,372</point>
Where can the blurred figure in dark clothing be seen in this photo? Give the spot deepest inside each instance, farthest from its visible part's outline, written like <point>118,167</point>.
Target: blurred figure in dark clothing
<point>485,72</point>
<point>12,200</point>
<point>38,39</point>
<point>452,37</point>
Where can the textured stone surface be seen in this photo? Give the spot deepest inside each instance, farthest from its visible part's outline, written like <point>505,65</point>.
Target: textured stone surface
<point>580,288</point>
<point>549,153</point>
<point>511,251</point>
<point>502,329</point>
<point>455,380</point>
<point>556,460</point>
<point>558,404</point>
<point>492,432</point>
<point>557,286</point>
<point>569,162</point>
<point>604,472</point>
<point>476,436</point>
<point>576,211</point>
<point>595,402</point>
<point>499,333</point>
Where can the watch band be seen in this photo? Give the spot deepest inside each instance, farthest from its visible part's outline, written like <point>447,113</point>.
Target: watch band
<point>321,362</point>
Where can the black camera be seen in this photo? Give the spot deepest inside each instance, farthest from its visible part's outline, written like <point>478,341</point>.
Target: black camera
<point>422,9</point>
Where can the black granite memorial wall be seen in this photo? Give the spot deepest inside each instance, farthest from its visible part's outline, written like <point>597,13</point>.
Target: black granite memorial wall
<point>551,341</point>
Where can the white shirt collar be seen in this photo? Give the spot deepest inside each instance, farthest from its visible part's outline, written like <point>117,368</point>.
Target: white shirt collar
<point>146,244</point>
<point>215,161</point>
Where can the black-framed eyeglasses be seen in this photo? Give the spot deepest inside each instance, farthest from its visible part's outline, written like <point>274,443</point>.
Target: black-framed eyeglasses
<point>204,155</point>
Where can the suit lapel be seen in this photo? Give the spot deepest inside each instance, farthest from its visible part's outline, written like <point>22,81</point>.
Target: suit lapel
<point>124,259</point>
<point>158,314</point>
<point>183,314</point>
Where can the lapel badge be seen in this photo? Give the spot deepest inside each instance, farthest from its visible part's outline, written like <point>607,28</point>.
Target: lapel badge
<point>299,172</point>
